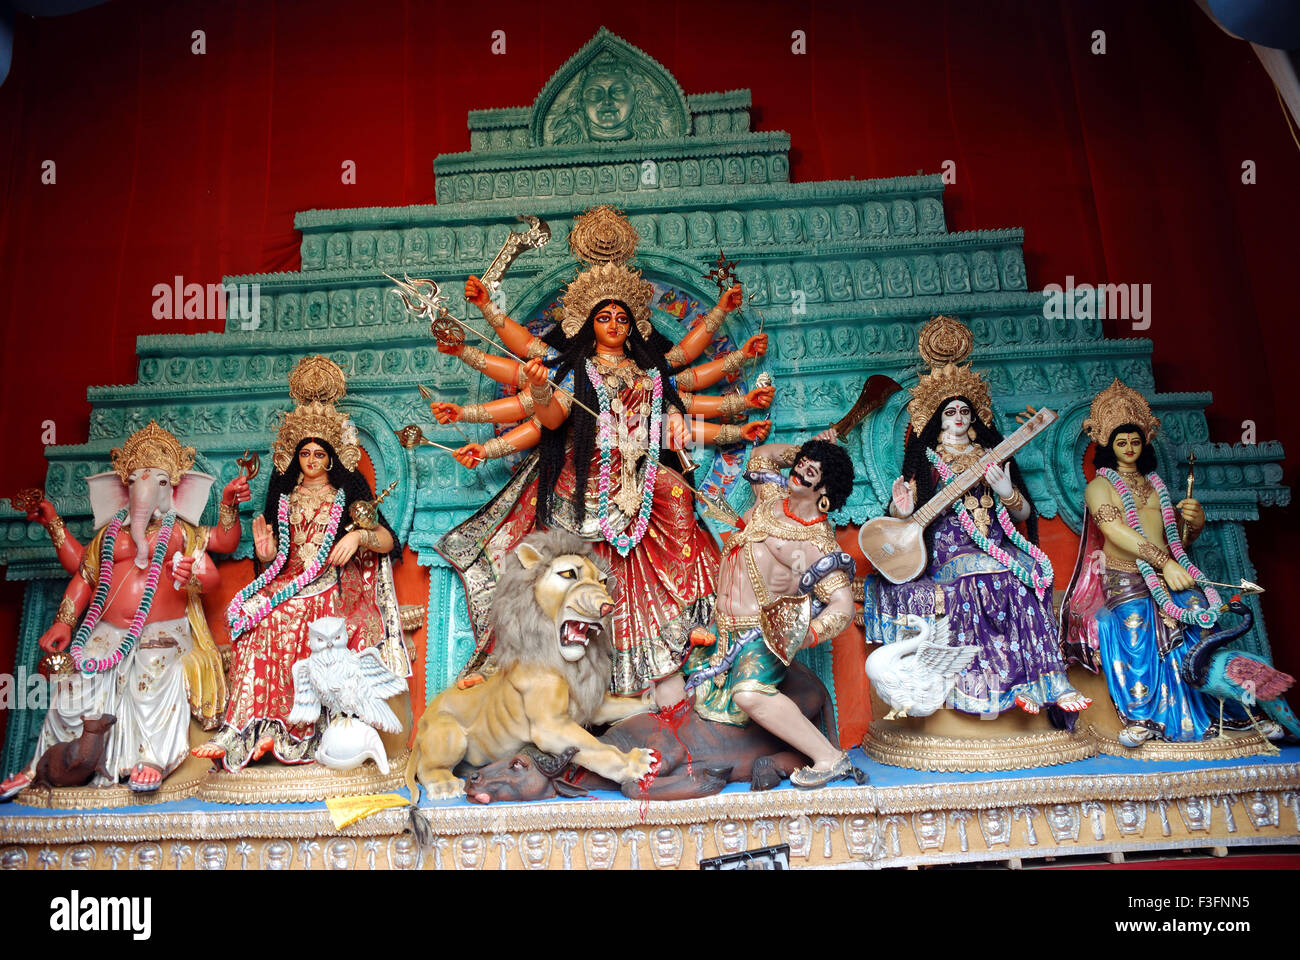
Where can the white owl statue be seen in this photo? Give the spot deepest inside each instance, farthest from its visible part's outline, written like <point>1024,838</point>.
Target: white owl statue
<point>351,686</point>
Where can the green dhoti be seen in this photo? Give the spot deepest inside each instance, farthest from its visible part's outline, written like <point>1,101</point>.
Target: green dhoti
<point>756,670</point>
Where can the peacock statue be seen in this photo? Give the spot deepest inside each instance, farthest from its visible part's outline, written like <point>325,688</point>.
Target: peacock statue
<point>1236,675</point>
<point>915,676</point>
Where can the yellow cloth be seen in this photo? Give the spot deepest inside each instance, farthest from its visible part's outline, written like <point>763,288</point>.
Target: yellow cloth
<point>348,810</point>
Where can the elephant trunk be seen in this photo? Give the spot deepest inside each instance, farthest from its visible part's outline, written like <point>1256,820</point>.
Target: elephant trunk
<point>142,510</point>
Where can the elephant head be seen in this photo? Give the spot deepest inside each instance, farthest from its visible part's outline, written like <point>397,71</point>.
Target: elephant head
<point>150,476</point>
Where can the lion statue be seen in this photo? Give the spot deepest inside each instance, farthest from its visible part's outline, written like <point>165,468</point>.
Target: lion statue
<point>551,627</point>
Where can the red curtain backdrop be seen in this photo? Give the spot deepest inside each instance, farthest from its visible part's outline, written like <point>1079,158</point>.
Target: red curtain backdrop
<point>1122,167</point>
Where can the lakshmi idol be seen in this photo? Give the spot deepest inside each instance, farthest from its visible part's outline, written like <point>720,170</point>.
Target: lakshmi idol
<point>984,573</point>
<point>312,568</point>
<point>602,441</point>
<point>1132,610</point>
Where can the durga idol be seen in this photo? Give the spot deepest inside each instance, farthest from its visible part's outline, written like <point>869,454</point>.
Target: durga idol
<point>602,442</point>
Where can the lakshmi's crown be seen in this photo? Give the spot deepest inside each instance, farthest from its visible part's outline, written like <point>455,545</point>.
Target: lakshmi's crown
<point>316,382</point>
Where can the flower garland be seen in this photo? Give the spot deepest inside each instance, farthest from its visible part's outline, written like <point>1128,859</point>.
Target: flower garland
<point>624,542</point>
<point>1040,582</point>
<point>240,621</point>
<point>96,608</point>
<point>1193,618</point>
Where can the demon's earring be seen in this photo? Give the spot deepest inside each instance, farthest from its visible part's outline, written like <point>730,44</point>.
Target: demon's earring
<point>824,503</point>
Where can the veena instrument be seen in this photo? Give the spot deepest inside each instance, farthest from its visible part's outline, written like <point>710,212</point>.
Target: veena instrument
<point>896,546</point>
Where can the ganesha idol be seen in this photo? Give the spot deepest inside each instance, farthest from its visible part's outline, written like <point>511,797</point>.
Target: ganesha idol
<point>131,655</point>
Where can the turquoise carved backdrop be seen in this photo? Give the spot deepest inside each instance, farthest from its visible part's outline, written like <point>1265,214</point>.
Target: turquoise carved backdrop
<point>842,275</point>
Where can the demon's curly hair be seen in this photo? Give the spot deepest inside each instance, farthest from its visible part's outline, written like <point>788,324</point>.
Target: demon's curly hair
<point>837,470</point>
<point>917,467</point>
<point>1105,456</point>
<point>648,354</point>
<point>351,482</point>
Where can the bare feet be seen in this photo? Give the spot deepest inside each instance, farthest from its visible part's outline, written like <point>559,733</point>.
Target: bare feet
<point>1073,702</point>
<point>145,778</point>
<point>1027,705</point>
<point>212,750</point>
<point>262,747</point>
<point>14,785</point>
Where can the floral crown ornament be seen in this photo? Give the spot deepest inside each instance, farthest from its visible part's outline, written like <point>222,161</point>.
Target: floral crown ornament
<point>604,238</point>
<point>151,446</point>
<point>944,342</point>
<point>1115,406</point>
<point>314,385</point>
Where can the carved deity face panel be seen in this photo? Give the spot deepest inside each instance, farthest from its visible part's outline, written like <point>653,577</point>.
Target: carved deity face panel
<point>608,98</point>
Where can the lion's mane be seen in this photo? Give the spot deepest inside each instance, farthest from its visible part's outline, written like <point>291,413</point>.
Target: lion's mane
<point>522,634</point>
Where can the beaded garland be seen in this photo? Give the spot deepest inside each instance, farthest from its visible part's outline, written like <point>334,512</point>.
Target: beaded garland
<point>624,542</point>
<point>96,608</point>
<point>1040,582</point>
<point>1193,618</point>
<point>241,622</point>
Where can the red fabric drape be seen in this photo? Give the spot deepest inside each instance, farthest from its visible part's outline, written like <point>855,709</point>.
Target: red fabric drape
<point>1123,167</point>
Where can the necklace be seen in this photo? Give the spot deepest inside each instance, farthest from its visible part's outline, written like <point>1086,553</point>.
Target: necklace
<point>785,505</point>
<point>100,601</point>
<point>1189,616</point>
<point>237,617</point>
<point>1039,577</point>
<point>624,542</point>
<point>1141,487</point>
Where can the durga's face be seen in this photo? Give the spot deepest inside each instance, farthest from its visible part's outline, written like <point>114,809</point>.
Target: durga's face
<point>612,325</point>
<point>1127,448</point>
<point>607,99</point>
<point>314,461</point>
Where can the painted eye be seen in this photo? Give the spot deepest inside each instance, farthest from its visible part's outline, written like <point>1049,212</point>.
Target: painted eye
<point>569,574</point>
<point>517,764</point>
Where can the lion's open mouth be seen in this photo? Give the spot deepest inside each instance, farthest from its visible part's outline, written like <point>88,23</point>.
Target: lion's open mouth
<point>578,633</point>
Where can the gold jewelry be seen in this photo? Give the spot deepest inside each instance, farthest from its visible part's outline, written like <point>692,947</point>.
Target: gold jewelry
<point>728,433</point>
<point>474,358</point>
<point>497,447</point>
<point>541,393</point>
<point>227,515</point>
<point>714,319</point>
<point>1139,485</point>
<point>733,403</point>
<point>1015,501</point>
<point>944,342</point>
<point>684,380</point>
<point>830,624</point>
<point>57,530</point>
<point>475,413</point>
<point>1107,513</point>
<point>733,361</point>
<point>675,356</point>
<point>828,584</point>
<point>778,460</point>
<point>824,504</point>
<point>67,612</point>
<point>1153,555</point>
<point>495,318</point>
<point>521,378</point>
<point>536,348</point>
<point>369,539</point>
<point>1115,406</point>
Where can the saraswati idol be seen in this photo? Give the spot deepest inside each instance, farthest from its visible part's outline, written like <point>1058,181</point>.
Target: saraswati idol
<point>603,444</point>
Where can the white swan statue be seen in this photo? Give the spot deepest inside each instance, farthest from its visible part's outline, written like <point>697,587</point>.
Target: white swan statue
<point>915,676</point>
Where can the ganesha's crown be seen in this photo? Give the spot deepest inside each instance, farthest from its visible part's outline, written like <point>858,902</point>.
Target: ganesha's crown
<point>1115,406</point>
<point>151,446</point>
